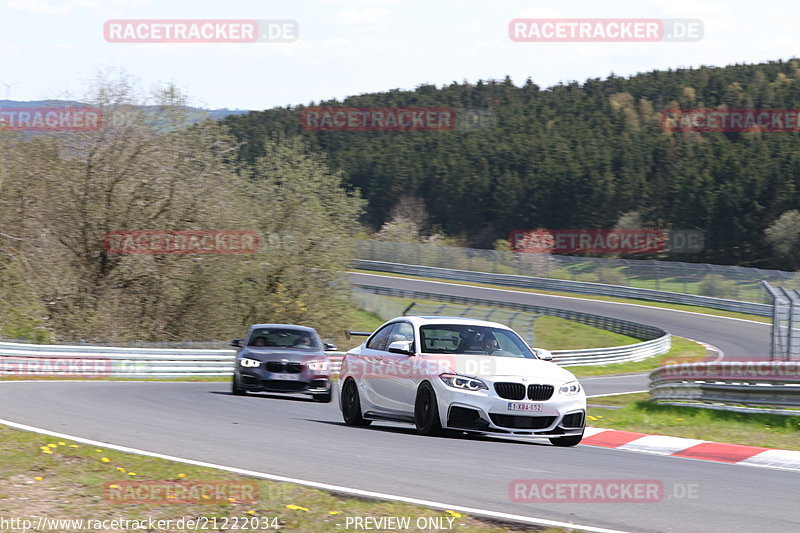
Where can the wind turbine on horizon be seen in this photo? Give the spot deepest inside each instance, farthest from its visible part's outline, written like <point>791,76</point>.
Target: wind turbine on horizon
<point>8,88</point>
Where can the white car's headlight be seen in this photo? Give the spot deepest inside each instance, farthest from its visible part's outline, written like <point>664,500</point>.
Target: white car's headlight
<point>463,382</point>
<point>249,363</point>
<point>571,388</point>
<point>318,366</point>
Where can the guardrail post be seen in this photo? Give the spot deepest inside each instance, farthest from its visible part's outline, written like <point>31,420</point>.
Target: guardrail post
<point>781,313</point>
<point>793,344</point>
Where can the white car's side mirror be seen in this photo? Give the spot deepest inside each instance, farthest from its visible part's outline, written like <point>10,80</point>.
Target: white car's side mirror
<point>401,347</point>
<point>543,354</point>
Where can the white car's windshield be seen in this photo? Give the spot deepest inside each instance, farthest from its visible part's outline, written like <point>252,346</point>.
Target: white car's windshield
<point>472,340</point>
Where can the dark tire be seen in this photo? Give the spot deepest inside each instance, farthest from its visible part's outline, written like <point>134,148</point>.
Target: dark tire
<point>426,411</point>
<point>236,390</point>
<point>567,441</point>
<point>323,398</point>
<point>351,405</point>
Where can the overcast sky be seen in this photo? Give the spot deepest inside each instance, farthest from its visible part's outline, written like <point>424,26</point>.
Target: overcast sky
<point>50,48</point>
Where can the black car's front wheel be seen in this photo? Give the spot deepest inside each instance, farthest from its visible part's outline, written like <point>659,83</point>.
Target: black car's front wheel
<point>236,389</point>
<point>426,411</point>
<point>351,405</point>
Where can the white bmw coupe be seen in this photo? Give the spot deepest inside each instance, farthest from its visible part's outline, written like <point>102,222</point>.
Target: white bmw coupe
<point>465,375</point>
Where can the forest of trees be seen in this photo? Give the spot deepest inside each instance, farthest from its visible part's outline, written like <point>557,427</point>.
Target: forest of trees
<point>579,156</point>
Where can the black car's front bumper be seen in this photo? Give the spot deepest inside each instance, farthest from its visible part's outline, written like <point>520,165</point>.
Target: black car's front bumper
<point>260,380</point>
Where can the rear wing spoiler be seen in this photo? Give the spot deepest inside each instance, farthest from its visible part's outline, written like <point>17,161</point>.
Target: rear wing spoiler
<point>348,334</point>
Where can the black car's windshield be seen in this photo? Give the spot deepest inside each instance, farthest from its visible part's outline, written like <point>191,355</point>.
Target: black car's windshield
<point>283,338</point>
<point>473,340</point>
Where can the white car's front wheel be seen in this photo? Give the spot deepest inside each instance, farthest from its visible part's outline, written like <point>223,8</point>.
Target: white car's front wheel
<point>426,411</point>
<point>351,405</point>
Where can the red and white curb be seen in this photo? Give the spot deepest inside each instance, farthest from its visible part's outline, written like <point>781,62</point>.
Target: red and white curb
<point>692,448</point>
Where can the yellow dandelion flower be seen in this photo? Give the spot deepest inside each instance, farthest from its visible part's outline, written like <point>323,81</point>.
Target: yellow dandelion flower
<point>121,469</point>
<point>131,473</point>
<point>590,417</point>
<point>105,459</point>
<point>74,446</point>
<point>38,478</point>
<point>170,496</point>
<point>47,451</point>
<point>181,475</point>
<point>206,497</point>
<point>453,513</point>
<point>296,507</point>
<point>334,512</point>
<point>98,451</point>
<point>61,443</point>
<point>251,512</point>
<point>113,486</point>
<point>232,500</point>
<point>53,445</point>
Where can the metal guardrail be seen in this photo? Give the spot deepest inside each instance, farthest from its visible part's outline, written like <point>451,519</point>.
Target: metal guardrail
<point>656,340</point>
<point>748,383</point>
<point>24,360</point>
<point>109,361</point>
<point>718,281</point>
<point>580,287</point>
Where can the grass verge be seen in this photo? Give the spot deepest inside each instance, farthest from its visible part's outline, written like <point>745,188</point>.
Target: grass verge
<point>62,480</point>
<point>552,333</point>
<point>636,412</point>
<point>681,349</point>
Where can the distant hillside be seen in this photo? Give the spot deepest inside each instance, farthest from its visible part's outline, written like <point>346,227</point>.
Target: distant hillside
<point>576,155</point>
<point>214,114</point>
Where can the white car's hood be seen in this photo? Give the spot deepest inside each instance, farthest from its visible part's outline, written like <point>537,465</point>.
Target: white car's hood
<point>497,367</point>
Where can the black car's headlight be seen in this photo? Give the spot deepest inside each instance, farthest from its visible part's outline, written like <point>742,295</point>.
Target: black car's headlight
<point>249,363</point>
<point>570,389</point>
<point>463,382</point>
<point>318,366</point>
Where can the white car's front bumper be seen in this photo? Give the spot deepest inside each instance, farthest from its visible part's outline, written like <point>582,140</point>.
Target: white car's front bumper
<point>485,411</point>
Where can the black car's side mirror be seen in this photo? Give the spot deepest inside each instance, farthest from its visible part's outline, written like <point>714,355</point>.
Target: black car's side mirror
<point>236,343</point>
<point>328,347</point>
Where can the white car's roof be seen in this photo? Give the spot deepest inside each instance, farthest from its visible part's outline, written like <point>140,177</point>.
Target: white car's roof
<point>433,320</point>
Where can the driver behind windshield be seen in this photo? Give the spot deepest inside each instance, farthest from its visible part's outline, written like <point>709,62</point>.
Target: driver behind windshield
<point>490,344</point>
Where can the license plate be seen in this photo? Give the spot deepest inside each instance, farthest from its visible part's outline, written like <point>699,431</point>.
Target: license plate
<point>513,406</point>
<point>286,377</point>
